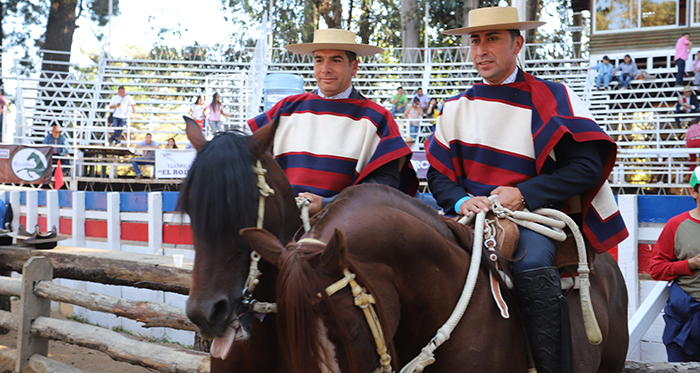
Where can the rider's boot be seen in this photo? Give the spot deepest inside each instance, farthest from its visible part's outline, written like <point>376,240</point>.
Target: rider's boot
<point>546,317</point>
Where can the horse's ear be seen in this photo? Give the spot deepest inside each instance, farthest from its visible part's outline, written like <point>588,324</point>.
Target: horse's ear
<point>264,243</point>
<point>334,256</point>
<point>265,136</point>
<point>194,133</point>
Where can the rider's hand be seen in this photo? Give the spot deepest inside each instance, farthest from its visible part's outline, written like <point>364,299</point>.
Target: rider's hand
<point>316,202</point>
<point>509,197</point>
<point>475,205</point>
<point>694,263</point>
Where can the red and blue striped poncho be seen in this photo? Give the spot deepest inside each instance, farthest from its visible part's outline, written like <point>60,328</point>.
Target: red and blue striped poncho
<point>324,145</point>
<point>492,136</point>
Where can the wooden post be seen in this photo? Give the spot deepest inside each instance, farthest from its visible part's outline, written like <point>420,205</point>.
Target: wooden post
<point>155,222</point>
<point>78,229</point>
<point>52,213</point>
<point>114,231</point>
<point>32,210</point>
<point>31,307</point>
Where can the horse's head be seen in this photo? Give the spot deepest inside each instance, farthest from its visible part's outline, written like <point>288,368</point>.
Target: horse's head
<point>221,195</point>
<point>319,332</point>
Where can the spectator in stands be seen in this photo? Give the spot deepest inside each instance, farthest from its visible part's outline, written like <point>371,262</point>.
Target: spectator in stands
<point>498,138</point>
<point>605,70</point>
<point>687,103</point>
<point>215,108</point>
<point>682,49</point>
<point>399,101</point>
<point>414,113</point>
<point>149,156</point>
<point>423,98</point>
<point>171,144</point>
<point>433,110</point>
<point>57,139</point>
<point>197,111</point>
<point>4,103</point>
<point>363,139</point>
<point>120,106</point>
<point>692,140</point>
<point>695,68</point>
<point>676,258</point>
<point>628,71</point>
<point>411,143</point>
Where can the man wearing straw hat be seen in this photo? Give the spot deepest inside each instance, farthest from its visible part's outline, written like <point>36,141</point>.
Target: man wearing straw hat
<point>334,137</point>
<point>534,144</point>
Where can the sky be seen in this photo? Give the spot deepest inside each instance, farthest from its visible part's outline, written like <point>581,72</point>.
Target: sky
<point>199,21</point>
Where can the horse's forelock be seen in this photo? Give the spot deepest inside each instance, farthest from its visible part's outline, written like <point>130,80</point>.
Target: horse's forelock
<point>220,189</point>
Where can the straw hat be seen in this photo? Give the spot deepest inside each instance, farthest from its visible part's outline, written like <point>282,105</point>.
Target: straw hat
<point>333,39</point>
<point>687,89</point>
<point>494,18</point>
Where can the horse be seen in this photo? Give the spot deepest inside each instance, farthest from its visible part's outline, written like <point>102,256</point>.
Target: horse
<point>221,196</point>
<point>414,264</point>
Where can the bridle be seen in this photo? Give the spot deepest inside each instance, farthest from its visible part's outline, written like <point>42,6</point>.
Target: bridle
<point>254,272</point>
<point>364,301</point>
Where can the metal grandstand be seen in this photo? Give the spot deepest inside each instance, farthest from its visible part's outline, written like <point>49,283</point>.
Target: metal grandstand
<point>164,85</point>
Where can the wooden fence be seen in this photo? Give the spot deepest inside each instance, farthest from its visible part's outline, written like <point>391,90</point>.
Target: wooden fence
<point>36,291</point>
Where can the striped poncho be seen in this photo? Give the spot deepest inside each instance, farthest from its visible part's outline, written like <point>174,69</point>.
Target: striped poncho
<point>492,136</point>
<point>324,145</point>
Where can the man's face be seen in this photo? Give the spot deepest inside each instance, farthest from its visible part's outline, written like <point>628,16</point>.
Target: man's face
<point>494,54</point>
<point>419,92</point>
<point>55,132</point>
<point>122,92</point>
<point>606,62</point>
<point>400,91</point>
<point>687,93</point>
<point>333,71</point>
<point>628,60</point>
<point>148,139</point>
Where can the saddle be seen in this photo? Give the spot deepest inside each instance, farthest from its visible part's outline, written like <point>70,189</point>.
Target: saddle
<point>565,258</point>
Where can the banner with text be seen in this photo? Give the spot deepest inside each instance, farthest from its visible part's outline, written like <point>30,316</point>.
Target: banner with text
<point>173,164</point>
<point>420,164</point>
<point>25,165</point>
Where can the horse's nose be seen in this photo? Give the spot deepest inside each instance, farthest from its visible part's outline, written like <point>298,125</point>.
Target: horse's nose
<point>209,315</point>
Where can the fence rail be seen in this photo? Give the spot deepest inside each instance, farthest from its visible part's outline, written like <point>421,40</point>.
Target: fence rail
<point>36,291</point>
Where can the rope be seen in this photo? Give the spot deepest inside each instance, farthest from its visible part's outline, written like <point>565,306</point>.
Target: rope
<point>426,356</point>
<point>303,205</point>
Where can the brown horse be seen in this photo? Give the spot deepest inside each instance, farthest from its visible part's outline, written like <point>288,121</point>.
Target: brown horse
<point>221,197</point>
<point>414,264</point>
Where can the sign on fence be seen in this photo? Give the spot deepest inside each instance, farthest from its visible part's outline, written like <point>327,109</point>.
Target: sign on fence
<point>25,165</point>
<point>420,164</point>
<point>173,164</point>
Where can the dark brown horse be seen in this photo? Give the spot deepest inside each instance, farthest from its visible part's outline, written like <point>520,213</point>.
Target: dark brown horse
<point>221,197</point>
<point>414,264</point>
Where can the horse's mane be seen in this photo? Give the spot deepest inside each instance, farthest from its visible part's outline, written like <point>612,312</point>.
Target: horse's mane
<point>213,192</point>
<point>300,281</point>
<point>377,194</point>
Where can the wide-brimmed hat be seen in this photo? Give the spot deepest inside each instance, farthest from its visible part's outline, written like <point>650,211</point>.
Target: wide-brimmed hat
<point>494,18</point>
<point>333,39</point>
<point>687,89</point>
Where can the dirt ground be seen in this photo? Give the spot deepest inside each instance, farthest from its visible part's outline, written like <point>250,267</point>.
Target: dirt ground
<point>88,360</point>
